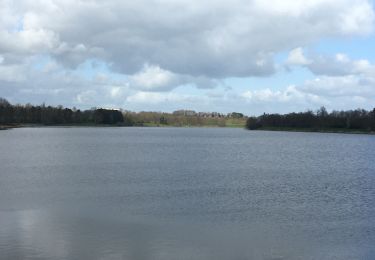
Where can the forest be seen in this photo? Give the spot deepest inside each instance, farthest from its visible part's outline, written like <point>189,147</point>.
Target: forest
<point>12,115</point>
<point>321,120</point>
<point>20,115</point>
<point>336,121</point>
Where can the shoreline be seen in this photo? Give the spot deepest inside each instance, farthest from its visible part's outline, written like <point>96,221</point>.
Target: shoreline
<point>327,131</point>
<point>7,127</point>
<point>331,131</point>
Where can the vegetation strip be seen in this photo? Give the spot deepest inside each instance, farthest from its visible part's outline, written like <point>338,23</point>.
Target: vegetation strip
<point>30,115</point>
<point>352,121</point>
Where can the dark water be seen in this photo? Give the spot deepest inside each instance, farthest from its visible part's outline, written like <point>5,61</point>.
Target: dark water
<point>177,193</point>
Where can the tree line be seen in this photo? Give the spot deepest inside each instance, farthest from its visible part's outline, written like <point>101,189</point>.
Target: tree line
<point>358,119</point>
<point>49,115</point>
<point>59,115</point>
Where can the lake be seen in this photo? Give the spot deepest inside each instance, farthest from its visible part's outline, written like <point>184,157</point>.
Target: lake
<point>185,193</point>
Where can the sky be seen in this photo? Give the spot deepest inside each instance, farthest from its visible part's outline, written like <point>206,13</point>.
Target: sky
<point>249,56</point>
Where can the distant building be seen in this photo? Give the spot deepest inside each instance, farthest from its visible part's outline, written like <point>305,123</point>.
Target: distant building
<point>210,114</point>
<point>199,114</point>
<point>184,113</point>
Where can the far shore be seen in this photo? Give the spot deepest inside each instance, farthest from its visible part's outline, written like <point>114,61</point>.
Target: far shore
<point>7,127</point>
<point>273,129</point>
<point>315,130</point>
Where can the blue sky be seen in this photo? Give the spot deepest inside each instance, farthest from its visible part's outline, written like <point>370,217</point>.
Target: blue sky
<point>246,56</point>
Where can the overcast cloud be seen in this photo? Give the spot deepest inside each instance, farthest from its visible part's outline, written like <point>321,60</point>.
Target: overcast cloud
<point>173,53</point>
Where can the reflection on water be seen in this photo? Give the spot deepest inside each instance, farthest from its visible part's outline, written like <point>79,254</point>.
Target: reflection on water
<point>37,234</point>
<point>98,193</point>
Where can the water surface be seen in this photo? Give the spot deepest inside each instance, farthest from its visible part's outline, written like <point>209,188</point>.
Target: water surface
<point>185,193</point>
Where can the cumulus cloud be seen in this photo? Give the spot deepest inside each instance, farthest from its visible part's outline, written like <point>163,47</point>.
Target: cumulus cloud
<point>12,73</point>
<point>290,94</point>
<point>215,38</point>
<point>331,65</point>
<point>153,78</point>
<point>160,45</point>
<point>156,98</point>
<point>340,65</point>
<point>342,86</point>
<point>297,57</point>
<point>340,80</point>
<point>344,92</point>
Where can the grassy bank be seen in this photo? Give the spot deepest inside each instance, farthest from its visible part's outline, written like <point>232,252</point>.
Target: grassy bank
<point>232,123</point>
<point>206,122</point>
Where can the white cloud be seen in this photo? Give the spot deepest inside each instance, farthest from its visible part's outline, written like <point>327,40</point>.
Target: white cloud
<point>341,81</point>
<point>157,46</point>
<point>28,41</point>
<point>342,86</point>
<point>86,97</point>
<point>357,19</point>
<point>154,78</point>
<point>331,65</point>
<point>296,57</point>
<point>116,92</point>
<point>157,98</point>
<point>214,39</point>
<point>291,94</point>
<point>12,73</point>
